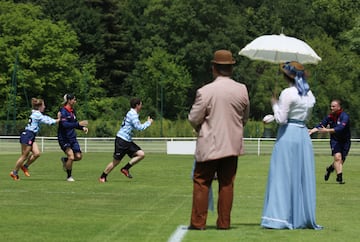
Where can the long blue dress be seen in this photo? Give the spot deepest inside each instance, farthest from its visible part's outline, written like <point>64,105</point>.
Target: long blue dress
<point>290,198</point>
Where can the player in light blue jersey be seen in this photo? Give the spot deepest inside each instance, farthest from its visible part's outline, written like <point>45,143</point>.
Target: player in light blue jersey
<point>124,144</point>
<point>27,138</point>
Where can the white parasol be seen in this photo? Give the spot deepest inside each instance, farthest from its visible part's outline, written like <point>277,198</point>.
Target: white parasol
<point>280,48</point>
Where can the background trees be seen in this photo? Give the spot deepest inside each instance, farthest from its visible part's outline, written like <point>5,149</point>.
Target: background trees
<point>36,52</point>
<point>160,50</point>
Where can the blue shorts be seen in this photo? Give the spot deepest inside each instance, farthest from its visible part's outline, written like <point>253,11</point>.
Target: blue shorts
<point>72,144</point>
<point>123,147</point>
<point>340,147</point>
<point>27,137</point>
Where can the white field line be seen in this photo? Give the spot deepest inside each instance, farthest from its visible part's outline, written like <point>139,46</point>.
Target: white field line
<point>179,234</point>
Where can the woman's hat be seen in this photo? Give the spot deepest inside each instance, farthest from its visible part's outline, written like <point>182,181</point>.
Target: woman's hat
<point>296,71</point>
<point>68,97</point>
<point>292,68</point>
<point>223,57</point>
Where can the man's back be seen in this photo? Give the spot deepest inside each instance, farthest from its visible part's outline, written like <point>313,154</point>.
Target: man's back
<point>221,109</point>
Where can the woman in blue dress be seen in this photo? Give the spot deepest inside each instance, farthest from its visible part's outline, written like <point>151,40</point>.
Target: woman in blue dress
<point>290,197</point>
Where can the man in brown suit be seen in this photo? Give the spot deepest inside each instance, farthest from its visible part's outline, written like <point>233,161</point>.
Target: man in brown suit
<point>218,115</point>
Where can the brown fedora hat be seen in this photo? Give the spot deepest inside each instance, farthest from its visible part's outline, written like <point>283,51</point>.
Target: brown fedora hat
<point>290,68</point>
<point>223,57</point>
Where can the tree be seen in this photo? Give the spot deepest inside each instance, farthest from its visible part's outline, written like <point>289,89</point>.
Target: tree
<point>190,31</point>
<point>352,37</point>
<point>162,84</point>
<point>335,16</point>
<point>121,48</point>
<point>84,20</point>
<point>118,61</point>
<point>103,37</point>
<point>47,61</point>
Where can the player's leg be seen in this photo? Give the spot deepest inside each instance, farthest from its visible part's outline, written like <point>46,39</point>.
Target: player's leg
<point>77,156</point>
<point>136,158</point>
<point>339,161</point>
<point>35,154</point>
<point>135,153</point>
<point>75,146</point>
<point>25,151</point>
<point>329,170</point>
<point>108,169</point>
<point>68,164</point>
<point>335,148</point>
<point>338,164</point>
<point>111,166</point>
<point>119,152</point>
<point>139,155</point>
<point>73,153</point>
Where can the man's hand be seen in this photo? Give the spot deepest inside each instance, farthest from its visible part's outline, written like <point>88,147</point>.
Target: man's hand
<point>150,119</point>
<point>84,123</point>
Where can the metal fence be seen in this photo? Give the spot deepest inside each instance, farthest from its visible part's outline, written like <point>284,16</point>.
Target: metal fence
<point>257,146</point>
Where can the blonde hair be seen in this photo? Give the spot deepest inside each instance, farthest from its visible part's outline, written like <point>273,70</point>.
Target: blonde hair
<point>36,103</point>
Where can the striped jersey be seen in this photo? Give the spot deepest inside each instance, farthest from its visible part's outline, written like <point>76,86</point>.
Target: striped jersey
<point>131,122</point>
<point>36,118</point>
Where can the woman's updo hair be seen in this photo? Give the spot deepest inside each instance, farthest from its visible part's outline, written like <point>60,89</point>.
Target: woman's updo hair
<point>36,103</point>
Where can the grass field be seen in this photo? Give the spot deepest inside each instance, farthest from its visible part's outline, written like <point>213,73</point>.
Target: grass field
<point>149,207</point>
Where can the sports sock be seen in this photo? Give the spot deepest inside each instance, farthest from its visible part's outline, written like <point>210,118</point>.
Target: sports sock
<point>68,173</point>
<point>127,167</point>
<point>339,177</point>
<point>103,175</point>
<point>26,166</point>
<point>330,168</point>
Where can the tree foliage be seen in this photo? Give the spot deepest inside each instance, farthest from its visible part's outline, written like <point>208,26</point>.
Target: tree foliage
<point>42,53</point>
<point>162,83</point>
<point>160,50</point>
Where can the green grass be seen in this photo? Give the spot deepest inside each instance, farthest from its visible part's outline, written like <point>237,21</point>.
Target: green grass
<point>149,207</point>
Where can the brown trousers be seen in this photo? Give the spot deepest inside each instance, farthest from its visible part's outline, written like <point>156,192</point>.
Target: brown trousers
<point>204,173</point>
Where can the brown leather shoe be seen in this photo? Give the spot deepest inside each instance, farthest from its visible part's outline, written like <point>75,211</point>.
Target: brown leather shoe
<point>219,228</point>
<point>194,228</point>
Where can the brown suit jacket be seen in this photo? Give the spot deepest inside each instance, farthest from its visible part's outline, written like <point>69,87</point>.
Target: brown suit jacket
<point>219,113</point>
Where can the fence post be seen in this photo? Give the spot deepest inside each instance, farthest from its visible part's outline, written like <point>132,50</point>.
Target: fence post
<point>42,144</point>
<point>85,145</point>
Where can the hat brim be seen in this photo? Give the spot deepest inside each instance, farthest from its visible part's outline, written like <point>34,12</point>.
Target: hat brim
<point>223,62</point>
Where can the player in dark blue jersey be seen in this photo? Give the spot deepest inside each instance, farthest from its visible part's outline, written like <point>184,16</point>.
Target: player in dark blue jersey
<point>67,134</point>
<point>27,137</point>
<point>337,124</point>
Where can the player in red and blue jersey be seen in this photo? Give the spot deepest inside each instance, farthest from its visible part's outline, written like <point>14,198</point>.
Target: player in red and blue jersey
<point>67,134</point>
<point>337,124</point>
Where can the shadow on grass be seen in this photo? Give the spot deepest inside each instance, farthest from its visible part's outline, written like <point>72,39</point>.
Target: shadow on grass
<point>234,226</point>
